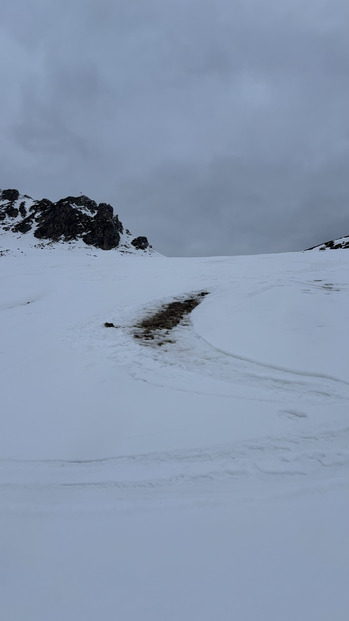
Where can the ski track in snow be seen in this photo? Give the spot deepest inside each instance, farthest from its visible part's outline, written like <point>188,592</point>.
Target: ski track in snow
<point>190,355</point>
<point>313,462</point>
<point>182,476</point>
<point>191,364</point>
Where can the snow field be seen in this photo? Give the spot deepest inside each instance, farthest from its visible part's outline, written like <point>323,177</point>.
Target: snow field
<point>205,479</point>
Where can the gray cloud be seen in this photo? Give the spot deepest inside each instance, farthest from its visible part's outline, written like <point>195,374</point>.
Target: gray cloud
<point>215,127</point>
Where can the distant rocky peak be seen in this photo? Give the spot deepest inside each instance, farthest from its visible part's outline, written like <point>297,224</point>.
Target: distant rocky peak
<point>333,244</point>
<point>71,218</point>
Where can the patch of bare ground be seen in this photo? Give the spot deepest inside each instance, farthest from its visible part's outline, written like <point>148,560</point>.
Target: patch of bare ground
<point>157,327</point>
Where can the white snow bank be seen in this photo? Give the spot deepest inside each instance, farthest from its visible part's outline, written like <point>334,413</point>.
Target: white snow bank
<point>296,324</point>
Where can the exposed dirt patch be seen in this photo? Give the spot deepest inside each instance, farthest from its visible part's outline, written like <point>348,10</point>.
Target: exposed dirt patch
<point>157,327</point>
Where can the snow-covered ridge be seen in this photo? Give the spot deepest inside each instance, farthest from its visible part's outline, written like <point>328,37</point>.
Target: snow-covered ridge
<point>333,244</point>
<point>71,219</point>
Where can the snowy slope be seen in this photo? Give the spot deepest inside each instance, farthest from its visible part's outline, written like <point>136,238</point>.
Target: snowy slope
<point>204,479</point>
<point>333,244</point>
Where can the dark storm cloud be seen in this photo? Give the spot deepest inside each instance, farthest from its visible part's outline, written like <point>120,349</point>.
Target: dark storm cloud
<point>213,126</point>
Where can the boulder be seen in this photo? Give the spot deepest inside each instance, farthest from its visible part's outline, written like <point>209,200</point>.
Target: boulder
<point>140,243</point>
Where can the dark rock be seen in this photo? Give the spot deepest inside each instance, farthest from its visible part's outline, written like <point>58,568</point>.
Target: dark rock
<point>9,195</point>
<point>71,218</point>
<point>341,243</point>
<point>64,220</point>
<point>81,201</point>
<point>104,229</point>
<point>24,226</point>
<point>102,235</point>
<point>7,208</point>
<point>141,243</point>
<point>12,211</point>
<point>22,209</point>
<point>57,220</point>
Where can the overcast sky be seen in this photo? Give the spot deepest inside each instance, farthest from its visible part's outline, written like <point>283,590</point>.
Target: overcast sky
<point>213,126</point>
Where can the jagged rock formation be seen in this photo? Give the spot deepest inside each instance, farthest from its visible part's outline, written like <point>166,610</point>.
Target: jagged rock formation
<point>333,244</point>
<point>71,218</point>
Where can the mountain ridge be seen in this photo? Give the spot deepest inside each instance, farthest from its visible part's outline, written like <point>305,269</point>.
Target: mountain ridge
<point>73,218</point>
<point>333,244</point>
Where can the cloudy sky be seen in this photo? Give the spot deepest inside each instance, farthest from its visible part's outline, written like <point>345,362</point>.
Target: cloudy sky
<point>213,126</point>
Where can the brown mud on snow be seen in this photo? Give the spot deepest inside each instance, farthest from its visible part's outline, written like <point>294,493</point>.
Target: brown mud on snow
<point>157,327</point>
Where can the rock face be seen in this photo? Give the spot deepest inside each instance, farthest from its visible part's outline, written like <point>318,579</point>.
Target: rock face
<point>71,218</point>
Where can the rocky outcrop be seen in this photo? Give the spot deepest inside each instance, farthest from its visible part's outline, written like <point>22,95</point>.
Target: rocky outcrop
<point>9,198</point>
<point>10,195</point>
<point>141,243</point>
<point>333,244</point>
<point>71,218</point>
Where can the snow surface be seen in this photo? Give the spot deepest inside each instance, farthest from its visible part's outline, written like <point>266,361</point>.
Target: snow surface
<point>203,480</point>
